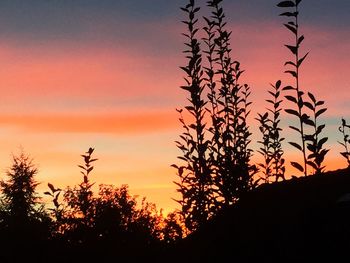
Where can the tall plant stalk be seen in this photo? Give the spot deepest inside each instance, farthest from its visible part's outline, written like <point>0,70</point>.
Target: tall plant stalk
<point>229,111</point>
<point>309,142</point>
<point>195,173</point>
<point>297,100</point>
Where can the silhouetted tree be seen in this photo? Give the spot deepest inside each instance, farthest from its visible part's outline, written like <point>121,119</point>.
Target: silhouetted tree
<point>19,191</point>
<point>25,224</point>
<point>229,111</point>
<point>216,169</point>
<point>74,217</point>
<point>114,211</point>
<point>173,229</point>
<point>195,178</point>
<point>111,218</point>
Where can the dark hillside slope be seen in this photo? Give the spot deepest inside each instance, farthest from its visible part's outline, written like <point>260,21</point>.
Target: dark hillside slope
<point>302,219</point>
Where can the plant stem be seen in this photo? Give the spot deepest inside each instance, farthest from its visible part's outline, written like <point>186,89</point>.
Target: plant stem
<point>299,96</point>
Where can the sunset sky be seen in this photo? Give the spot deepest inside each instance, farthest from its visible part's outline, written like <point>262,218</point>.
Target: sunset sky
<point>105,74</point>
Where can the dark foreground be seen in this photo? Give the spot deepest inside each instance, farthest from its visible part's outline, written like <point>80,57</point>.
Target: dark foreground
<point>300,220</point>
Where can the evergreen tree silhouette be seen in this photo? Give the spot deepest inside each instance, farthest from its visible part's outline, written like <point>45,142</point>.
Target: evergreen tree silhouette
<point>25,223</point>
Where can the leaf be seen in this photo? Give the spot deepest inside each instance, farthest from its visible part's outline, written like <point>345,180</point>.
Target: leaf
<point>311,148</point>
<point>309,122</point>
<point>57,195</point>
<point>300,39</point>
<point>323,153</point>
<point>312,97</point>
<point>52,188</point>
<point>309,137</point>
<point>271,93</point>
<point>320,128</point>
<point>292,112</point>
<point>309,105</point>
<point>184,9</point>
<point>320,103</point>
<point>289,14</point>
<point>295,129</point>
<point>291,28</point>
<point>293,73</point>
<point>296,146</point>
<point>264,117</point>
<point>297,166</point>
<point>187,88</point>
<point>291,98</point>
<point>290,63</point>
<point>319,112</point>
<point>48,193</point>
<point>286,4</point>
<point>196,9</point>
<point>293,49</point>
<point>288,88</point>
<point>90,151</point>
<point>300,61</point>
<point>312,164</point>
<point>278,84</point>
<point>322,141</point>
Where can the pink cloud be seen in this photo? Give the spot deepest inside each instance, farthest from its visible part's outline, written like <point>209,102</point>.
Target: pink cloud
<point>84,73</point>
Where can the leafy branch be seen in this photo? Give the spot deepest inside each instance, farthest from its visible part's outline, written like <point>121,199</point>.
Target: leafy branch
<point>195,174</point>
<point>271,149</point>
<point>344,129</point>
<point>315,143</point>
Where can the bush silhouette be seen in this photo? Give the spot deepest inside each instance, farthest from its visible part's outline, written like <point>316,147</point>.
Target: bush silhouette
<point>24,222</point>
<point>91,223</point>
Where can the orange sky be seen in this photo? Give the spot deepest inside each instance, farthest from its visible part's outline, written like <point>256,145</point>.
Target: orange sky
<point>64,92</point>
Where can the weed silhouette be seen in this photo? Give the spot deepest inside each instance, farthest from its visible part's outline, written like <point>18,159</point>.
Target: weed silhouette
<point>344,129</point>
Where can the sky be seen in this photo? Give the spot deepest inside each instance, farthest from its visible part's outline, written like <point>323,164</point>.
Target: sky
<point>105,74</point>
